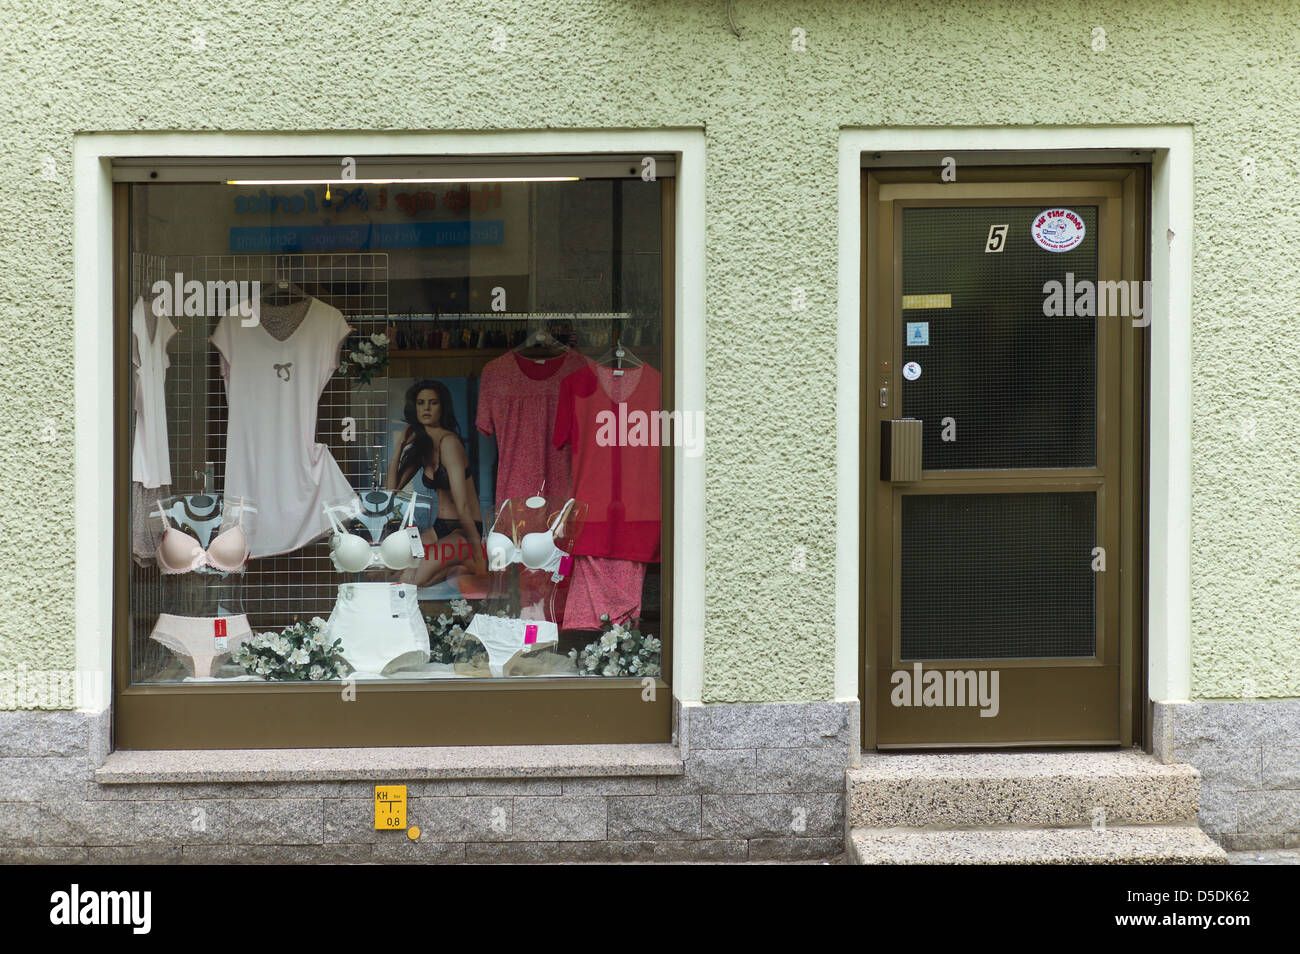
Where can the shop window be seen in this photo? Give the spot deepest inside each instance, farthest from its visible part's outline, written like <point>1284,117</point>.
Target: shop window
<point>375,453</point>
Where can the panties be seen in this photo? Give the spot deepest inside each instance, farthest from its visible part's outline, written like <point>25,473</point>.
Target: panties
<point>381,627</point>
<point>196,640</point>
<point>504,638</point>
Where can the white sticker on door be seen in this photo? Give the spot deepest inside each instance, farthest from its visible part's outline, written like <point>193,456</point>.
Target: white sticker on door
<point>911,370</point>
<point>1058,230</point>
<point>918,333</point>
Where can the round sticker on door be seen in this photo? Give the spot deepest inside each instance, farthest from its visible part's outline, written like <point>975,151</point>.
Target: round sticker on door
<point>911,370</point>
<point>1058,230</point>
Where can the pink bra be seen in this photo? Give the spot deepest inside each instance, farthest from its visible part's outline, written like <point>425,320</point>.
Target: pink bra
<point>180,553</point>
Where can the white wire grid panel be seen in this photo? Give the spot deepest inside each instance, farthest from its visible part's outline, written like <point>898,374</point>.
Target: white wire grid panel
<point>274,590</point>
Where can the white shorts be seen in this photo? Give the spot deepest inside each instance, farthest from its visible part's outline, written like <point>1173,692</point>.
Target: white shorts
<point>381,627</point>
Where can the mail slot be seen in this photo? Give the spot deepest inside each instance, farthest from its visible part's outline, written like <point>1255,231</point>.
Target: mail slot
<point>900,449</point>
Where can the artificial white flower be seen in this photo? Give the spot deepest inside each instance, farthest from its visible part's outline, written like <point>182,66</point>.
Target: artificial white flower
<point>380,340</point>
<point>316,672</point>
<point>318,623</point>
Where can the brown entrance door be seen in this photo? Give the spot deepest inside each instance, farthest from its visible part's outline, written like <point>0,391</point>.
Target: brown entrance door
<point>1002,382</point>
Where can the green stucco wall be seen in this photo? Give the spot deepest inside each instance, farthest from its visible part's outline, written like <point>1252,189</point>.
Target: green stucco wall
<point>772,117</point>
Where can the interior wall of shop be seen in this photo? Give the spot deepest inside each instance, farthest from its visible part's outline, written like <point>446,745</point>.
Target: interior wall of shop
<point>767,202</point>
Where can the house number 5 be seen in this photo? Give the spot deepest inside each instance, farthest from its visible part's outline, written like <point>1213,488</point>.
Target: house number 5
<point>997,238</point>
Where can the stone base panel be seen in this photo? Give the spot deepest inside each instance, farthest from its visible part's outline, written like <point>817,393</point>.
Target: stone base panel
<point>1248,754</point>
<point>753,782</point>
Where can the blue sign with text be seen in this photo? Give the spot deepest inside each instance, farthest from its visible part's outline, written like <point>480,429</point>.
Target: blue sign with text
<point>367,237</point>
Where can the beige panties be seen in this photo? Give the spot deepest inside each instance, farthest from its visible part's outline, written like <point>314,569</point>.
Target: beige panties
<point>197,640</point>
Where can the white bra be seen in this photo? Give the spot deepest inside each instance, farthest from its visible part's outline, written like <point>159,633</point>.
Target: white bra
<point>537,551</point>
<point>353,554</point>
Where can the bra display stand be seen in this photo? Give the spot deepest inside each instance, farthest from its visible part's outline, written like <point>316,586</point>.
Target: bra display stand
<point>379,621</point>
<point>528,555</point>
<point>374,530</point>
<point>203,546</point>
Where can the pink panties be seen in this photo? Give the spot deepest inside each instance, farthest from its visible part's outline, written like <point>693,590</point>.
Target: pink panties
<point>195,639</point>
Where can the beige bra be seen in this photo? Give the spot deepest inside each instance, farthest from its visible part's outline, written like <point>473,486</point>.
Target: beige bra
<point>180,553</point>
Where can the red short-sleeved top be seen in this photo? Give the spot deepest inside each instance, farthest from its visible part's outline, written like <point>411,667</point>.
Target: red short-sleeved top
<point>517,400</point>
<point>615,461</point>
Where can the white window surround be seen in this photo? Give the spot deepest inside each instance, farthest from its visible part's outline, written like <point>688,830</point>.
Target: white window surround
<point>93,346</point>
<point>1169,548</point>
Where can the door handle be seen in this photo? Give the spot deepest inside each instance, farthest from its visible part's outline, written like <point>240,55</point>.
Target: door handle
<point>900,450</point>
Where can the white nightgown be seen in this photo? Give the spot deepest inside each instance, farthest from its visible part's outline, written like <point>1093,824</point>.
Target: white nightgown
<point>150,457</point>
<point>273,388</point>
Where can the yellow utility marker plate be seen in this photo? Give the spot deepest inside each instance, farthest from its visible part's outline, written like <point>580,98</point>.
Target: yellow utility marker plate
<point>390,807</point>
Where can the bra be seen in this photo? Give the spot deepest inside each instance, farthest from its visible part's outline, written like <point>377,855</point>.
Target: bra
<point>440,479</point>
<point>537,551</point>
<point>353,554</point>
<point>180,553</point>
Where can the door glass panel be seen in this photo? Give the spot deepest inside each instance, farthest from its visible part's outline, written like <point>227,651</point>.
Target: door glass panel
<point>992,576</point>
<point>1020,388</point>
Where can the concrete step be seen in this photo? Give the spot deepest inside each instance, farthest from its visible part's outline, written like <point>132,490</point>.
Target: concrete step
<point>1029,789</point>
<point>1123,845</point>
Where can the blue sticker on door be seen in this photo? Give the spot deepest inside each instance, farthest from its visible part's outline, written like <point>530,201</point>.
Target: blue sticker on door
<point>918,333</point>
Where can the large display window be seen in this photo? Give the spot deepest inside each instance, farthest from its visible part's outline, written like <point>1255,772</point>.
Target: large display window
<point>394,463</point>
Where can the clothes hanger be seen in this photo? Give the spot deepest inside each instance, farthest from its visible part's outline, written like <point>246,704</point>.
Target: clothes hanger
<point>620,355</point>
<point>284,287</point>
<point>291,290</point>
<point>542,338</point>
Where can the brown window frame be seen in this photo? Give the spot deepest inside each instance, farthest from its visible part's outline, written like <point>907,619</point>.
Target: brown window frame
<point>507,711</point>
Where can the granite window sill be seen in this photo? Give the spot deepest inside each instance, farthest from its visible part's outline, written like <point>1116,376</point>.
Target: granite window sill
<point>413,763</point>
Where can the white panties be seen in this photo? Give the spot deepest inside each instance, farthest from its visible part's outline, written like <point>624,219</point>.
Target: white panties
<point>381,627</point>
<point>197,640</point>
<point>504,638</point>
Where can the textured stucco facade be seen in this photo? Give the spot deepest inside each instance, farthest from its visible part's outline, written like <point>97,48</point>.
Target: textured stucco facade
<point>772,117</point>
